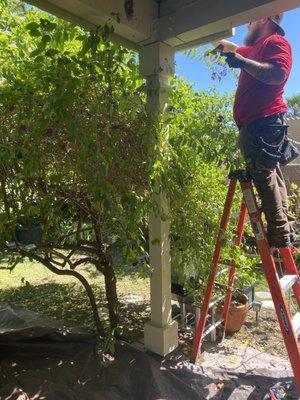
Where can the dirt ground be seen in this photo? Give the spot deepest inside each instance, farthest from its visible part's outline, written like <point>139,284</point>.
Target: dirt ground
<point>264,336</point>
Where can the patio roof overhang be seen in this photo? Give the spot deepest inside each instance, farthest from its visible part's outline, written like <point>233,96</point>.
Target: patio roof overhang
<point>178,23</point>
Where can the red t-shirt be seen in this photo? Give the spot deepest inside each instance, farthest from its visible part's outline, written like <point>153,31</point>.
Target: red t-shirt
<point>253,98</point>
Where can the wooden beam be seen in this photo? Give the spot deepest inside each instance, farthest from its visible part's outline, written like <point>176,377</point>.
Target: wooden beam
<point>192,20</point>
<point>131,28</point>
<point>204,40</point>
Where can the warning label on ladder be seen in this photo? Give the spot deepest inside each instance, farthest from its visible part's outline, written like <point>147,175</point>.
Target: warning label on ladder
<point>258,230</point>
<point>284,319</point>
<point>249,199</point>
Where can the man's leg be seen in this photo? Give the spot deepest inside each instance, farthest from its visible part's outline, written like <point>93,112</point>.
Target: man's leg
<point>284,198</point>
<point>266,183</point>
<point>268,189</point>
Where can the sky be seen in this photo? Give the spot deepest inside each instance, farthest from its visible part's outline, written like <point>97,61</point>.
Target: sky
<point>200,75</point>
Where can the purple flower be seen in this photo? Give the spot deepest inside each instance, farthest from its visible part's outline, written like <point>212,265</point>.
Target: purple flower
<point>49,133</point>
<point>22,128</point>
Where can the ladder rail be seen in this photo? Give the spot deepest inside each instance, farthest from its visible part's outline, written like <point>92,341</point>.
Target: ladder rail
<point>281,307</point>
<point>232,271</point>
<point>213,272</point>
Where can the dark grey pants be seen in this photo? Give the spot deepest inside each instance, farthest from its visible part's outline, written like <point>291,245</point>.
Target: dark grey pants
<point>271,188</point>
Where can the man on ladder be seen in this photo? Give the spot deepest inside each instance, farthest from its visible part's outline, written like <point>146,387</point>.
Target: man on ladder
<point>265,62</point>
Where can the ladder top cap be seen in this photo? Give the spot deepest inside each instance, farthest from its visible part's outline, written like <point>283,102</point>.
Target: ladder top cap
<point>241,175</point>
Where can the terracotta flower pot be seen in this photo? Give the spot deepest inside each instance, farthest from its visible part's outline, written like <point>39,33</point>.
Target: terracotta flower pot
<point>238,311</point>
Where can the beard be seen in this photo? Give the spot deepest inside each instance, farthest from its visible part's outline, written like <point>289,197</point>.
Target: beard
<point>253,36</point>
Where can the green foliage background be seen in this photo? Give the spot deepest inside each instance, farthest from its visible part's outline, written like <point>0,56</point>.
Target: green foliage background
<point>77,154</point>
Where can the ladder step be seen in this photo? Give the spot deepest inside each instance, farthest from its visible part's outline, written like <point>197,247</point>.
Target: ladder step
<point>217,301</point>
<point>222,271</point>
<point>212,327</point>
<point>288,281</point>
<point>296,323</point>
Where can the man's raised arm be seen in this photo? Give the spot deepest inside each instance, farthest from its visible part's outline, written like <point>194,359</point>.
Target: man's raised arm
<point>264,72</point>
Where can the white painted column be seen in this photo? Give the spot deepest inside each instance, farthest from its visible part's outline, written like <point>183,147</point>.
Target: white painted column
<point>161,333</point>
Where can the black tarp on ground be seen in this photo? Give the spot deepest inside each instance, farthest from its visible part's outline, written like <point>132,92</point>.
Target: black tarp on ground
<point>44,359</point>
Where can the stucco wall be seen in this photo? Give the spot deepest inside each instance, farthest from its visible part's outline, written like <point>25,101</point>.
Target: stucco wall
<point>294,128</point>
<point>292,171</point>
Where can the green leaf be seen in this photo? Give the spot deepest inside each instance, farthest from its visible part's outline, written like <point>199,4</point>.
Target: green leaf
<point>52,52</point>
<point>46,39</point>
<point>36,52</point>
<point>33,29</point>
<point>32,26</point>
<point>41,46</point>
<point>47,25</point>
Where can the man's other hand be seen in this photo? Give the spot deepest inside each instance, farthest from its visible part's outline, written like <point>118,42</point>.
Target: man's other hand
<point>235,60</point>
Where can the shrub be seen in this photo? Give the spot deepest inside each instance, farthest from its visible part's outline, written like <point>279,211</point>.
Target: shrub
<point>77,157</point>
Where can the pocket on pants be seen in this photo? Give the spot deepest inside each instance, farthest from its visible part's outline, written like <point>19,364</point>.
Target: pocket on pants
<point>265,160</point>
<point>268,140</point>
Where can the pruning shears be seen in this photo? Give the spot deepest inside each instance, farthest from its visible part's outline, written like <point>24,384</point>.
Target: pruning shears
<point>217,50</point>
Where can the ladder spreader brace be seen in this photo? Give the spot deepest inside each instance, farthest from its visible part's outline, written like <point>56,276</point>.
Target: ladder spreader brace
<point>289,325</point>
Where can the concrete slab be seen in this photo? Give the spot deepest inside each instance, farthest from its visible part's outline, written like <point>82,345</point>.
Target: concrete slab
<point>268,304</point>
<point>263,296</point>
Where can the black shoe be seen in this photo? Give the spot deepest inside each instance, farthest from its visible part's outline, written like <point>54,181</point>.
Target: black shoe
<point>280,244</point>
<point>295,240</point>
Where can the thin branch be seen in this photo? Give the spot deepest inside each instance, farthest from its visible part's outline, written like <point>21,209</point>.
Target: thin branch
<point>82,280</point>
<point>56,262</point>
<point>79,228</point>
<point>5,199</point>
<point>83,261</point>
<point>63,238</point>
<point>60,255</point>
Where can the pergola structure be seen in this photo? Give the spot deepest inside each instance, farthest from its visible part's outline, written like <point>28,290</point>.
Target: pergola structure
<point>157,29</point>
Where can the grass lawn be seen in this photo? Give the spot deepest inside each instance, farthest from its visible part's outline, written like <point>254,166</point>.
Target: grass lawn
<point>32,286</point>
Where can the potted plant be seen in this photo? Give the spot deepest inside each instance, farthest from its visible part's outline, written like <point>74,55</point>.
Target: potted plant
<point>29,232</point>
<point>237,312</point>
<point>29,228</point>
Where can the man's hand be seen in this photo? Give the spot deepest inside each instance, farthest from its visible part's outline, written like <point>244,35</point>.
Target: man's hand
<point>235,60</point>
<point>227,46</point>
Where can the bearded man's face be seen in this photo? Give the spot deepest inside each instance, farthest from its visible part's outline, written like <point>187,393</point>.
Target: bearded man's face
<point>254,32</point>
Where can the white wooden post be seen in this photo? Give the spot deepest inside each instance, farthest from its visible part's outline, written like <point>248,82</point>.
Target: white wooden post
<point>161,333</point>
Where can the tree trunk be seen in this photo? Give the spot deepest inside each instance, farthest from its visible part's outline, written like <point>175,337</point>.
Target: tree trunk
<point>82,280</point>
<point>111,292</point>
<point>105,265</point>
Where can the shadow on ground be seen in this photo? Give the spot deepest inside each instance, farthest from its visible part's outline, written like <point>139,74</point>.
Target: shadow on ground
<point>69,302</point>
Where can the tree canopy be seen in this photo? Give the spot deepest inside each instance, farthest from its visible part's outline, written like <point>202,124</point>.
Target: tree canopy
<point>78,160</point>
<point>293,103</point>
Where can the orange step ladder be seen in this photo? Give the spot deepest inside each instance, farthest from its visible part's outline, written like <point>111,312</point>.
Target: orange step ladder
<point>289,325</point>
